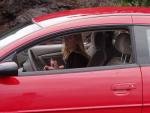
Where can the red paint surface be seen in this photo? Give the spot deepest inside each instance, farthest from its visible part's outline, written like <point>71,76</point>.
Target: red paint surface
<point>84,92</point>
<point>94,11</point>
<point>146,87</point>
<point>141,19</point>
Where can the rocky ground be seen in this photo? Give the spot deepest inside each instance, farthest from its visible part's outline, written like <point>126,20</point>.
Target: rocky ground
<point>14,12</point>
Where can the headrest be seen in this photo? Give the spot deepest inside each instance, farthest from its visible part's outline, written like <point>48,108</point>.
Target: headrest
<point>123,43</point>
<point>98,40</point>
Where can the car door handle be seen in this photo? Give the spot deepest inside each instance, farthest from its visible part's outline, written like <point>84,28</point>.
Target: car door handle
<point>126,86</point>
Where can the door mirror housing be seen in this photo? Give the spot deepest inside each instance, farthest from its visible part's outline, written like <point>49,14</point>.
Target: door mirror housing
<point>8,69</point>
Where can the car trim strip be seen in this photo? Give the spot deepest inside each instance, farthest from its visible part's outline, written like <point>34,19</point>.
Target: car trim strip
<point>146,105</point>
<point>80,108</point>
<point>76,70</point>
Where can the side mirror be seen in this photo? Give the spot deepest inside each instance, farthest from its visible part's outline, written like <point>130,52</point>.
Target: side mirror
<point>8,69</point>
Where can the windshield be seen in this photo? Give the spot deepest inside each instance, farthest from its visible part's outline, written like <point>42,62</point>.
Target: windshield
<point>17,33</point>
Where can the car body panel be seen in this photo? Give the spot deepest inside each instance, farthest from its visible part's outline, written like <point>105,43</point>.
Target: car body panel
<point>74,92</point>
<point>95,11</point>
<point>146,93</point>
<point>141,19</point>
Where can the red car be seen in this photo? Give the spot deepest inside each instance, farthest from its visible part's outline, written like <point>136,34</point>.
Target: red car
<point>116,79</point>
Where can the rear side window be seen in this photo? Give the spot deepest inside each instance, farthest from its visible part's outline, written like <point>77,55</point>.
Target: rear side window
<point>142,40</point>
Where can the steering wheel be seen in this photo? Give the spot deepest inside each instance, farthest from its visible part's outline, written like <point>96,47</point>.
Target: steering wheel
<point>32,60</point>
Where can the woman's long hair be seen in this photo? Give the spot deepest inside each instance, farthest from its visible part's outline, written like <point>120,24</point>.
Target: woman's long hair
<point>79,47</point>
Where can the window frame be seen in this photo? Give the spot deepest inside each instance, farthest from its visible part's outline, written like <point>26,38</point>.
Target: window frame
<point>86,69</point>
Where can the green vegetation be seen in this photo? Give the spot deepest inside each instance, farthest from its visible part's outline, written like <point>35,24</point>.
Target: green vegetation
<point>144,3</point>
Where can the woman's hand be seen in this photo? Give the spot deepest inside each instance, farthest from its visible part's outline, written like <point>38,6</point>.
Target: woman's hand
<point>53,65</point>
<point>46,67</point>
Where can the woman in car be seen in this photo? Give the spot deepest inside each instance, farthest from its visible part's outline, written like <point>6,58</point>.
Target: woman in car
<point>74,54</point>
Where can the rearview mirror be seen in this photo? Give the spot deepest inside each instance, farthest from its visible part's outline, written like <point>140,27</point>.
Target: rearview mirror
<point>8,69</point>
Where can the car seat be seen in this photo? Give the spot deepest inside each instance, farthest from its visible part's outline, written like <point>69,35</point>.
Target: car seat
<point>122,45</point>
<point>97,50</point>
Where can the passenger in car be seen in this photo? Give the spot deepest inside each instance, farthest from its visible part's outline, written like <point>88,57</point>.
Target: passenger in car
<point>74,54</point>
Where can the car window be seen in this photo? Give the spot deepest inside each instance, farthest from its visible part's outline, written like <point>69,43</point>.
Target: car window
<point>100,48</point>
<point>146,46</point>
<point>142,44</point>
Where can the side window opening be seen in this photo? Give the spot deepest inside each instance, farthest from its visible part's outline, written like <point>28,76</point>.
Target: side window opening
<point>104,48</point>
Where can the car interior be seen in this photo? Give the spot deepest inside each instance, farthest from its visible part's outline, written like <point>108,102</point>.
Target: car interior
<point>105,48</point>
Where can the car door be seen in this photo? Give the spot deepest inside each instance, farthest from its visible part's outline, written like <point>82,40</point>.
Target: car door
<point>107,89</point>
<point>113,90</point>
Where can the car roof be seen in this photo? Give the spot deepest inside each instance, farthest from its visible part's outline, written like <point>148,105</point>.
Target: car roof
<point>94,11</point>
